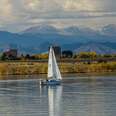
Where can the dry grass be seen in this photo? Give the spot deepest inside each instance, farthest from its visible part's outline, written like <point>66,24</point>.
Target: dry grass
<point>26,68</point>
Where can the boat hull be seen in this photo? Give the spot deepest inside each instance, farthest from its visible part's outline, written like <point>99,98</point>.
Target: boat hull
<point>50,82</point>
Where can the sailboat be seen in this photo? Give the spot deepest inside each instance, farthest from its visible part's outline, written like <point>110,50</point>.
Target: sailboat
<point>54,75</point>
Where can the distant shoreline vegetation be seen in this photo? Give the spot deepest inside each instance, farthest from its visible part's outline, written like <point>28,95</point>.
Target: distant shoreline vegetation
<point>84,62</point>
<point>30,68</point>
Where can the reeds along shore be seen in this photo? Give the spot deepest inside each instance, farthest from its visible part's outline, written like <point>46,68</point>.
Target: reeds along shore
<point>26,68</point>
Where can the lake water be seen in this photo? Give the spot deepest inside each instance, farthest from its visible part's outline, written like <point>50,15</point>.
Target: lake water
<point>77,96</point>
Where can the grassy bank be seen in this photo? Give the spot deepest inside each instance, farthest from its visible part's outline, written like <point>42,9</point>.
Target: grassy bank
<point>28,68</point>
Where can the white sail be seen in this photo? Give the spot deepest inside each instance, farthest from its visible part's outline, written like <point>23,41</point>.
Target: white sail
<point>53,70</point>
<point>57,73</point>
<point>50,64</point>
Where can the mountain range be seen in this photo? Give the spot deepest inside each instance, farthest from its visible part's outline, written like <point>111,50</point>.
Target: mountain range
<point>37,39</point>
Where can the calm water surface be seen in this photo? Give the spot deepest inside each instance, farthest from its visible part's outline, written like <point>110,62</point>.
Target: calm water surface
<point>77,96</point>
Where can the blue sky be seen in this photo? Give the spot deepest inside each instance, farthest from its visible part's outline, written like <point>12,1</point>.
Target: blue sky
<point>17,15</point>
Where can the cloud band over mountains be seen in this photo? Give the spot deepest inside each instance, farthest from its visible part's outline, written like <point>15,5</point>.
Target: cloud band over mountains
<point>18,14</point>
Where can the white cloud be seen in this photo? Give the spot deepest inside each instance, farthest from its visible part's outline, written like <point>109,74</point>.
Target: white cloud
<point>5,7</point>
<point>80,5</point>
<point>5,11</point>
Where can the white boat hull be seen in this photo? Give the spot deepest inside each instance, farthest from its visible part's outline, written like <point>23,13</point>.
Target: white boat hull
<point>50,82</point>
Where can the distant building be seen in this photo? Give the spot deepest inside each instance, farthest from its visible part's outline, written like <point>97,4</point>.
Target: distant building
<point>57,51</point>
<point>11,54</point>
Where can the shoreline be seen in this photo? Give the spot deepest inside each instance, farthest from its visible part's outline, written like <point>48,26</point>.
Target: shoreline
<point>36,68</point>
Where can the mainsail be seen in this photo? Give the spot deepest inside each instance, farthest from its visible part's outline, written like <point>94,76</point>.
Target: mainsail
<point>50,64</point>
<point>53,70</point>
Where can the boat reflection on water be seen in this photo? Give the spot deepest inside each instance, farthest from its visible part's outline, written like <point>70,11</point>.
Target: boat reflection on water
<point>55,100</point>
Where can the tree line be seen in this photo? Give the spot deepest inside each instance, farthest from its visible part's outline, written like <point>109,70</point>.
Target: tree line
<point>67,54</point>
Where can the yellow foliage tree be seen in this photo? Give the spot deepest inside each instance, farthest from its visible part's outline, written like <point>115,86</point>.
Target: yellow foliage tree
<point>41,56</point>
